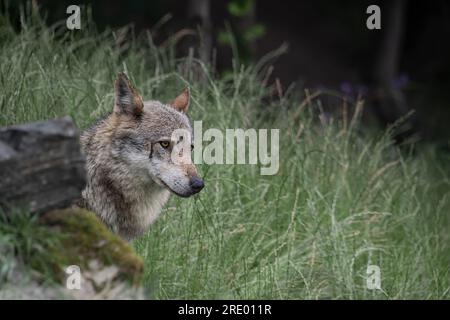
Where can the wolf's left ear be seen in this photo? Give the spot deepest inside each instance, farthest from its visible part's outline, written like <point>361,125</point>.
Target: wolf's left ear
<point>127,99</point>
<point>181,103</point>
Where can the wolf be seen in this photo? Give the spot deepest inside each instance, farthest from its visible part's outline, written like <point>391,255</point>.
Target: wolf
<point>130,168</point>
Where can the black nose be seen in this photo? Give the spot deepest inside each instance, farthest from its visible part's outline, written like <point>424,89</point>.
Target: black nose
<point>196,184</point>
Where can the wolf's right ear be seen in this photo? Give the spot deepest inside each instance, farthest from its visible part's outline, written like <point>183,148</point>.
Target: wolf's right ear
<point>127,99</point>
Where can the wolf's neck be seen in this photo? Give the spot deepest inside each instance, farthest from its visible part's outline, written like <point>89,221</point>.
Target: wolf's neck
<point>138,206</point>
<point>148,207</point>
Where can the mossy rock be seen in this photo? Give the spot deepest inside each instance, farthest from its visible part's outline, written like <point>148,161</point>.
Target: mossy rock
<point>84,241</point>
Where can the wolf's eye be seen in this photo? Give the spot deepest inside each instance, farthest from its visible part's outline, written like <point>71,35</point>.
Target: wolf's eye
<point>165,144</point>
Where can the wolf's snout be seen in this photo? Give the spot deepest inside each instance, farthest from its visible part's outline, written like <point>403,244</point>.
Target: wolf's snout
<point>196,184</point>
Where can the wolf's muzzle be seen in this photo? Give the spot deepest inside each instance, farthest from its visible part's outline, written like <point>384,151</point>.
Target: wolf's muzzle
<point>196,185</point>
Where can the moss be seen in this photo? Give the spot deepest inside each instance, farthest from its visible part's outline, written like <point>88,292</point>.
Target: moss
<point>84,239</point>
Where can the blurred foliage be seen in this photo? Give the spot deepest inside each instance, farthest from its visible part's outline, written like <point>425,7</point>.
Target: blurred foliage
<point>240,8</point>
<point>241,38</point>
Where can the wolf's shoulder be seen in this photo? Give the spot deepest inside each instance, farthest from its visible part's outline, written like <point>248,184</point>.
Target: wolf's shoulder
<point>86,135</point>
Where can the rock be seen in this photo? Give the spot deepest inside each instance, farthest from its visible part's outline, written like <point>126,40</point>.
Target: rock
<point>41,165</point>
<point>41,261</point>
<point>104,259</point>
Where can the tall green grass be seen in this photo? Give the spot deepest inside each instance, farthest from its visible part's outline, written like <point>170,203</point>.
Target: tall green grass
<point>344,198</point>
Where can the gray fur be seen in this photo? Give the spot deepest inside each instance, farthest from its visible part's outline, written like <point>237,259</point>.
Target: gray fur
<point>130,174</point>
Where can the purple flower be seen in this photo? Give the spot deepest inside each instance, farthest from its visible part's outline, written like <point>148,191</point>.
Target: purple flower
<point>401,81</point>
<point>347,88</point>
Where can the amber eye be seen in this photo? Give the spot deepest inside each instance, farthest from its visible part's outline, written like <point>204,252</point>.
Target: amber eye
<point>165,144</point>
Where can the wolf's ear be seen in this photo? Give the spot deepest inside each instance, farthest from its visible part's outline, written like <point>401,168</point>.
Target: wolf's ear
<point>127,99</point>
<point>181,103</point>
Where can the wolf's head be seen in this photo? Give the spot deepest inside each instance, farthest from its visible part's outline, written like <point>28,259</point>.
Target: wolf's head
<point>153,139</point>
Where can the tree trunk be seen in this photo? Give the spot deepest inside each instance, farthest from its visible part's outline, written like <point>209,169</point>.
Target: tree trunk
<point>199,13</point>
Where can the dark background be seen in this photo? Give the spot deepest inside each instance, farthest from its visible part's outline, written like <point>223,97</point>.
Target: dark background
<point>404,66</point>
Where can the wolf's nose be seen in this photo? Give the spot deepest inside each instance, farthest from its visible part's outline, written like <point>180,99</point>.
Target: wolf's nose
<point>196,184</point>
